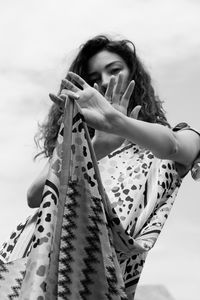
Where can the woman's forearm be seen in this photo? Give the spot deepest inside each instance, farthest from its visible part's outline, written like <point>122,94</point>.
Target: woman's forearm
<point>34,193</point>
<point>101,150</point>
<point>159,139</point>
<point>104,146</point>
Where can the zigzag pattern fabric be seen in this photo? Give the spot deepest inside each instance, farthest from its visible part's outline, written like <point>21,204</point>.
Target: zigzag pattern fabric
<point>70,253</point>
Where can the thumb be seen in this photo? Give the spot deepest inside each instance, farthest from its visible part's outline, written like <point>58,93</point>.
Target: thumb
<point>96,87</point>
<point>135,112</point>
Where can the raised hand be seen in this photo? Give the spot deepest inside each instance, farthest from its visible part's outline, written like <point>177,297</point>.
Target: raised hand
<point>94,106</point>
<point>104,142</point>
<point>118,93</point>
<point>97,109</point>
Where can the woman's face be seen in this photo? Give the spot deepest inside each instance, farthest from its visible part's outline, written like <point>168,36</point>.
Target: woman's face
<point>105,64</point>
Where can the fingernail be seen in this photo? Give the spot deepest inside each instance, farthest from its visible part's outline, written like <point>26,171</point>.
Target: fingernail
<point>76,96</point>
<point>63,82</point>
<point>55,99</point>
<point>52,97</point>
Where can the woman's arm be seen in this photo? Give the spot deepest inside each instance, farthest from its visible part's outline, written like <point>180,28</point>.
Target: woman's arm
<point>104,143</point>
<point>34,193</point>
<point>181,147</point>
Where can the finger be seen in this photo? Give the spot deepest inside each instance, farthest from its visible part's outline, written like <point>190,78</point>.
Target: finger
<point>69,85</point>
<point>96,87</point>
<point>129,90</point>
<point>110,88</point>
<point>73,95</point>
<point>135,112</point>
<point>57,100</point>
<point>118,92</point>
<point>77,79</point>
<point>63,94</point>
<point>127,95</point>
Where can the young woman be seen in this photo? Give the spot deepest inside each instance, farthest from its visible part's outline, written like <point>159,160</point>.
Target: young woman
<point>142,160</point>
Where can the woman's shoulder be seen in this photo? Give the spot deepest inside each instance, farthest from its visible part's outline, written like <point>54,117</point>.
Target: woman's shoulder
<point>195,167</point>
<point>185,126</point>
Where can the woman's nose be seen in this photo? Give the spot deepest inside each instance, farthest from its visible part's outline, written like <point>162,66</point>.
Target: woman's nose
<point>105,79</point>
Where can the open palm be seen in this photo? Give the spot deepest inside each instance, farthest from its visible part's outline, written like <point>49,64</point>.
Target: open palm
<point>98,109</point>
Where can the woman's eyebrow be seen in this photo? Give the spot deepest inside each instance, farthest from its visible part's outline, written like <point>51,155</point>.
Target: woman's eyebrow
<point>112,63</point>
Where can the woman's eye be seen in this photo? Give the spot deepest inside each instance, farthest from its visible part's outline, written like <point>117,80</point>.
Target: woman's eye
<point>115,71</point>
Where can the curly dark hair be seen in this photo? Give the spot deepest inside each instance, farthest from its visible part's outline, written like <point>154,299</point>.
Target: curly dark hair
<point>143,94</point>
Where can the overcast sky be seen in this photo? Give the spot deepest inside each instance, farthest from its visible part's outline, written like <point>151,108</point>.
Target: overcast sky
<point>38,40</point>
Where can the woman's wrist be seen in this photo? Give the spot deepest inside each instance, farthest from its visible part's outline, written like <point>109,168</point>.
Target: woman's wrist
<point>116,121</point>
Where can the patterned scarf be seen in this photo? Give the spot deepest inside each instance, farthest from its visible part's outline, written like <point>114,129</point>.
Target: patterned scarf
<point>65,251</point>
